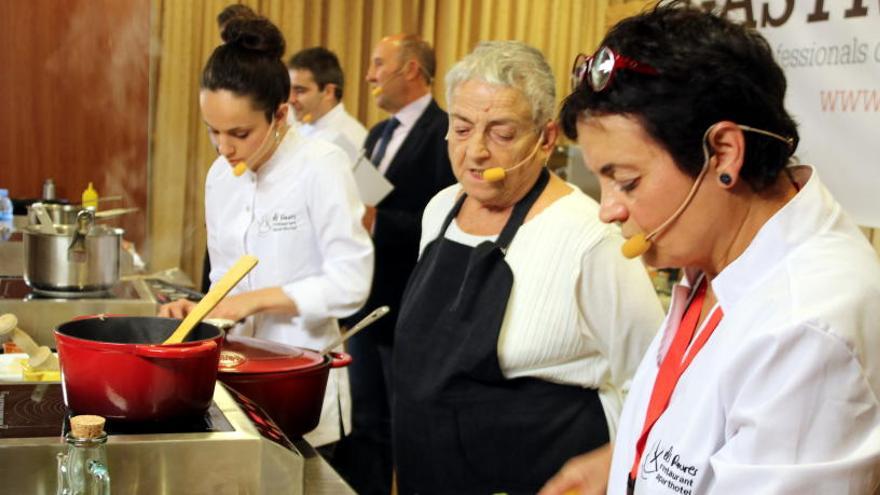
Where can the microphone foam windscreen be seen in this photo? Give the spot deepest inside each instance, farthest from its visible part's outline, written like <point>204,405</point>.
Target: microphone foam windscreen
<point>635,246</point>
<point>494,174</point>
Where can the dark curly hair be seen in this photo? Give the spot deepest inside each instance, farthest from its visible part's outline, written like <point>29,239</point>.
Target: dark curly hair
<point>248,63</point>
<point>710,69</point>
<point>231,12</point>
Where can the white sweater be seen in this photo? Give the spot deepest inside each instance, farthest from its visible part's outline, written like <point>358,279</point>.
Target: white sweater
<point>579,313</point>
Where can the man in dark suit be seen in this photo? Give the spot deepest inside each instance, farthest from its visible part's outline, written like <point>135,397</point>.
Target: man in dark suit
<point>410,150</point>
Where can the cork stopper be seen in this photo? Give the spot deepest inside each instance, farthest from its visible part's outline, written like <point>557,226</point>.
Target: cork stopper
<point>87,426</point>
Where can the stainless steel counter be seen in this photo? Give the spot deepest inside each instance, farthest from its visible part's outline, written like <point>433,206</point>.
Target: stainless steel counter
<point>318,477</point>
<point>236,455</point>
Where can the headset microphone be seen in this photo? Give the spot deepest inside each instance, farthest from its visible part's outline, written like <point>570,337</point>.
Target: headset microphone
<point>380,88</point>
<point>635,246</point>
<point>241,167</point>
<point>639,244</point>
<point>496,174</point>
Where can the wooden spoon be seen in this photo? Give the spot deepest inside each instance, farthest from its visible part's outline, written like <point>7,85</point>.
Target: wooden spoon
<point>218,291</point>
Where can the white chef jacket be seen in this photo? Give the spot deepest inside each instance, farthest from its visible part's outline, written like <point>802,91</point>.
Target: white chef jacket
<point>300,215</point>
<point>339,128</point>
<point>783,397</point>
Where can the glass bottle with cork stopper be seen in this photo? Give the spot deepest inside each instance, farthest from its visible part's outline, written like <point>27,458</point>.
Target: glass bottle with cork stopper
<point>82,470</point>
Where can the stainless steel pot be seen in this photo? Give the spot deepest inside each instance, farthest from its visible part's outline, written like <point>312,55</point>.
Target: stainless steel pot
<point>74,258</point>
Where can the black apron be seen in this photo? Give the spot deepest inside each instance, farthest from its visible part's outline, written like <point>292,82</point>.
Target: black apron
<point>458,426</point>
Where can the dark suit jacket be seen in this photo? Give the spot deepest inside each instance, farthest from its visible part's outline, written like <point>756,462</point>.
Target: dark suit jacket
<point>418,171</point>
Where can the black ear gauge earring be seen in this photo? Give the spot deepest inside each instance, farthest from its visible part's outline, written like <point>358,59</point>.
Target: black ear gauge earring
<point>725,179</point>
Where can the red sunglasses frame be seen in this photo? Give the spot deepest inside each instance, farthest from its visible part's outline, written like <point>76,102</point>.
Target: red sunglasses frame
<point>583,67</point>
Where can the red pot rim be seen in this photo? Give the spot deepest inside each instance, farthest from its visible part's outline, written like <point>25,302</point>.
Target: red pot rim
<point>124,345</point>
<point>102,317</point>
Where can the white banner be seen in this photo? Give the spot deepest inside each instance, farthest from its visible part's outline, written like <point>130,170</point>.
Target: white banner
<point>830,51</point>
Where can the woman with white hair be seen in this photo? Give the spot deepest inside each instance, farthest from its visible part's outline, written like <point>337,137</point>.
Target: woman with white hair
<point>520,327</point>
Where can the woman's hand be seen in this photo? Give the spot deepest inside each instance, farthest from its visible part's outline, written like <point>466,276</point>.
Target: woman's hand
<point>233,308</point>
<point>237,307</point>
<point>240,306</point>
<point>177,309</point>
<point>585,474</point>
<point>369,219</point>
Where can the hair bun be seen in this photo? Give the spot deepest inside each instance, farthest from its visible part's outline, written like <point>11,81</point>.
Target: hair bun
<point>257,34</point>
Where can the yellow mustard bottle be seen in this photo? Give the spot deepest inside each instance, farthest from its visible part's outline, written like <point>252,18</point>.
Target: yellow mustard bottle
<point>90,197</point>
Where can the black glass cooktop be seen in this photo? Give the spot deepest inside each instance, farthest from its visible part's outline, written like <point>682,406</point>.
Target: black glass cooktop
<point>38,410</point>
<point>17,288</point>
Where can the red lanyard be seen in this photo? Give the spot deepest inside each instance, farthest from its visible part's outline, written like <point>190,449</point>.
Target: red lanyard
<point>674,364</point>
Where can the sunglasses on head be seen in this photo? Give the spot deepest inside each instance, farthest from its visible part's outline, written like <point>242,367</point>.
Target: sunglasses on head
<point>599,69</point>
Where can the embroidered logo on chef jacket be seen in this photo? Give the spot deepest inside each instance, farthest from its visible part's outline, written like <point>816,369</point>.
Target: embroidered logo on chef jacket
<point>662,465</point>
<point>277,222</point>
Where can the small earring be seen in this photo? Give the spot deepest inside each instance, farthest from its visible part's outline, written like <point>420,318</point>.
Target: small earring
<point>725,179</point>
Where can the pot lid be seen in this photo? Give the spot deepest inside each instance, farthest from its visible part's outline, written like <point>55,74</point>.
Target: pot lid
<point>249,355</point>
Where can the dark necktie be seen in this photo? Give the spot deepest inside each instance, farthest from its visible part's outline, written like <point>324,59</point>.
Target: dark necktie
<point>387,131</point>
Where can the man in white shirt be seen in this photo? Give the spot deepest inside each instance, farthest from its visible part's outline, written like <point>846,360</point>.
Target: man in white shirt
<point>316,85</point>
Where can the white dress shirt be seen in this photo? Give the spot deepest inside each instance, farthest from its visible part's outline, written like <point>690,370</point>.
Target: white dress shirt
<point>339,128</point>
<point>407,116</point>
<point>579,313</point>
<point>783,397</point>
<point>300,215</point>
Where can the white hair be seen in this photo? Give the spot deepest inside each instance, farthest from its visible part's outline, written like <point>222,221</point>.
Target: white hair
<point>513,64</point>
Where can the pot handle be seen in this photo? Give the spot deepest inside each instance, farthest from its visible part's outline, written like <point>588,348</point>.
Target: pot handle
<point>173,351</point>
<point>340,359</point>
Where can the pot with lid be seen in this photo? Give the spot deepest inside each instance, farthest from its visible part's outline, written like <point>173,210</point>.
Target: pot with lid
<point>72,258</point>
<point>287,382</point>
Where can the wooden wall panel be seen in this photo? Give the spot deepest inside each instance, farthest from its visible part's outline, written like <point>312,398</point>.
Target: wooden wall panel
<point>74,100</point>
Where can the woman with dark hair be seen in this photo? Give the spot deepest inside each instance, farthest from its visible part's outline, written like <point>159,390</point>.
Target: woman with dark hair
<point>289,201</point>
<point>765,376</point>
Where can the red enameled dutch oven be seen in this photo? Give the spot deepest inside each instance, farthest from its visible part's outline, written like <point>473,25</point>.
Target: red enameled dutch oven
<point>287,382</point>
<point>114,367</point>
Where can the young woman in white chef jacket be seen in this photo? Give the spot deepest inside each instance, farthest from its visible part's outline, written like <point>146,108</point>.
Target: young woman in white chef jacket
<point>289,201</point>
<point>765,376</point>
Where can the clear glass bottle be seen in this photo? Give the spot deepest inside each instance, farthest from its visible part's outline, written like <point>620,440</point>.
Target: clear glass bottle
<point>7,225</point>
<point>82,470</point>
